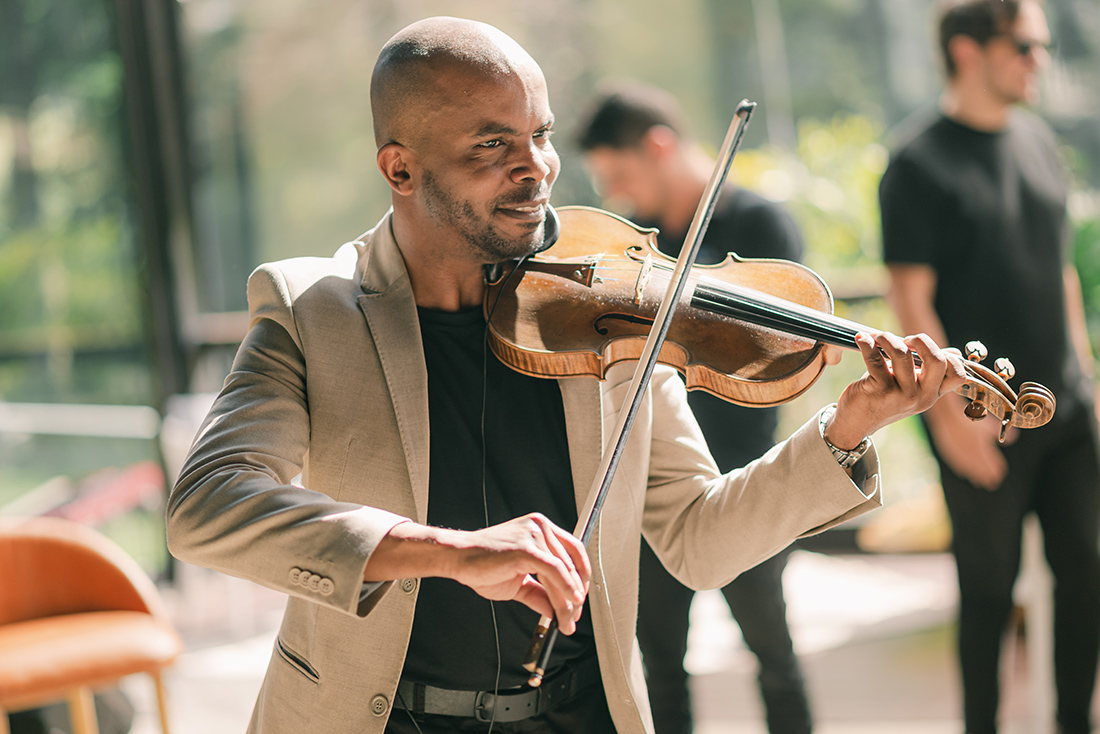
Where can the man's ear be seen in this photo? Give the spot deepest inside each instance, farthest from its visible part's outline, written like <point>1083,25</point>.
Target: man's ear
<point>397,164</point>
<point>659,141</point>
<point>965,52</point>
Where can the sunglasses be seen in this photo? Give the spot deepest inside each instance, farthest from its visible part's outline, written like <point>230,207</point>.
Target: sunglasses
<point>1025,47</point>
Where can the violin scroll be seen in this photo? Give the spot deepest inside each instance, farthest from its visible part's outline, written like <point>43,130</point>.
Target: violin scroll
<point>988,392</point>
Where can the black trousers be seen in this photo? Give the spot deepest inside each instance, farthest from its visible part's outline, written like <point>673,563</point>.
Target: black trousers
<point>584,713</point>
<point>756,600</point>
<point>1054,471</point>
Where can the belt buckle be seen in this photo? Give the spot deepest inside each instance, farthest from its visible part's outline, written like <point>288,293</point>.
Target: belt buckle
<point>483,711</point>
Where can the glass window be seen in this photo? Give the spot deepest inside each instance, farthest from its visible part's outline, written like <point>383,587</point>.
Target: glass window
<point>71,312</point>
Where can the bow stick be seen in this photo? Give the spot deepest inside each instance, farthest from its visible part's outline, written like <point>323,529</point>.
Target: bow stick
<point>546,633</point>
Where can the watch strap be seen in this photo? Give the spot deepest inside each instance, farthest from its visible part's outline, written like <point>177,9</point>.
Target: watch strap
<point>845,457</point>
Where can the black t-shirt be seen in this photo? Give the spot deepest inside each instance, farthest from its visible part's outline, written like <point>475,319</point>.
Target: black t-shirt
<point>527,469</point>
<point>987,211</point>
<point>752,227</point>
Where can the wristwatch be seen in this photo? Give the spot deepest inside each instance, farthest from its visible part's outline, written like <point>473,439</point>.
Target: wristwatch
<point>845,457</point>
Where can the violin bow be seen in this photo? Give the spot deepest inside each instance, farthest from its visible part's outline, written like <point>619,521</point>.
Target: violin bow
<point>542,642</point>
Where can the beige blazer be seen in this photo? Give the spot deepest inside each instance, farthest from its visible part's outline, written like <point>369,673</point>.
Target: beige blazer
<point>330,384</point>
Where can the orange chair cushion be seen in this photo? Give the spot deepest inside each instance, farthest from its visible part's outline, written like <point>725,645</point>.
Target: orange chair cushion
<point>41,659</point>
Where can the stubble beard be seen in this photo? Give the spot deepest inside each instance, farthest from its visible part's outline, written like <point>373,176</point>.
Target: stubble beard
<point>481,237</point>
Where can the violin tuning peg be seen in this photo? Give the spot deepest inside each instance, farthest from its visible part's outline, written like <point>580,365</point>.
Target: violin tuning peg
<point>1004,368</point>
<point>976,351</point>
<point>975,410</point>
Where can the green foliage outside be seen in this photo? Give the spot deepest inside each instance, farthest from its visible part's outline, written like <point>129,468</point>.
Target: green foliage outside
<point>1086,250</point>
<point>69,279</point>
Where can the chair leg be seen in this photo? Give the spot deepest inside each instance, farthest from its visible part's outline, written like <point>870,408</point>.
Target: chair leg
<point>82,711</point>
<point>162,700</point>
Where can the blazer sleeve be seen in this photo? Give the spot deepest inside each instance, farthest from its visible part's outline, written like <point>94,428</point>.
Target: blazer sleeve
<point>236,507</point>
<point>707,527</point>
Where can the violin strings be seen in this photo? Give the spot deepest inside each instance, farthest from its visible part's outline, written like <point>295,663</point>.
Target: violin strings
<point>769,315</point>
<point>763,309</point>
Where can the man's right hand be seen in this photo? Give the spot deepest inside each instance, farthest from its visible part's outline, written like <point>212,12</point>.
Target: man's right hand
<point>529,559</point>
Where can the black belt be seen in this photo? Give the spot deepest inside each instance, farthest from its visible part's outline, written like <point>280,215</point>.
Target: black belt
<point>502,706</point>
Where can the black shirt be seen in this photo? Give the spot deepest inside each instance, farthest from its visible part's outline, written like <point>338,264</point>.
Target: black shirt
<point>987,211</point>
<point>752,227</point>
<point>527,469</point>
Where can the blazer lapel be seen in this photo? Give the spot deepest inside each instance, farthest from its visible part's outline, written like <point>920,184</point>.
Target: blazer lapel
<point>388,305</point>
<point>582,398</point>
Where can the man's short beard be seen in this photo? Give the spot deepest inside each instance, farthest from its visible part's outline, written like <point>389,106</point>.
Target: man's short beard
<point>480,235</point>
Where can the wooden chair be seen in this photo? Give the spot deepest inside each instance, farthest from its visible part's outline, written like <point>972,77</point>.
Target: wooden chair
<point>76,613</point>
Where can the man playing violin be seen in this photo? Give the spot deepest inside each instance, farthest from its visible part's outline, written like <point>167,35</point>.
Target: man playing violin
<point>975,235</point>
<point>371,459</point>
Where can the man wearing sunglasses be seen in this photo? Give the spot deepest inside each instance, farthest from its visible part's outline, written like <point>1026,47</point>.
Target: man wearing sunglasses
<point>975,236</point>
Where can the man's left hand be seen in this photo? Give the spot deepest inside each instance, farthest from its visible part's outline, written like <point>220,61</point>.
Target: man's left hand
<point>895,385</point>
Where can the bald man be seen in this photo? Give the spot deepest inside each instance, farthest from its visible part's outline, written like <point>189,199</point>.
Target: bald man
<point>369,457</point>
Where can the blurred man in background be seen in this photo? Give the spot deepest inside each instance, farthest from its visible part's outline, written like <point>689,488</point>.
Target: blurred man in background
<point>975,235</point>
<point>637,150</point>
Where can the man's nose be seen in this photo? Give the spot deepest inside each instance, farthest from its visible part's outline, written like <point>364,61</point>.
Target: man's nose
<point>534,163</point>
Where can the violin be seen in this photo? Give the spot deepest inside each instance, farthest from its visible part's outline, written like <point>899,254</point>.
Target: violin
<point>751,331</point>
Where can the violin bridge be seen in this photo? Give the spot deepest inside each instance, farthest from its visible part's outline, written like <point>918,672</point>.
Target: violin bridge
<point>645,272</point>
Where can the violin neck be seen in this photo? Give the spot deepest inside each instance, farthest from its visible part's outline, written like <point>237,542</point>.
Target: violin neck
<point>775,313</point>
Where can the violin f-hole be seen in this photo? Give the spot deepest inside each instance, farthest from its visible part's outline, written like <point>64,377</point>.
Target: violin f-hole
<point>603,330</point>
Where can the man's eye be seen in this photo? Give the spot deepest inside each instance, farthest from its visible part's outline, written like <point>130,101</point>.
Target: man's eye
<point>491,144</point>
<point>548,132</point>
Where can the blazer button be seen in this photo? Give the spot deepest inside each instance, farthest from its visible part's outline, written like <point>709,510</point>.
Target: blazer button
<point>314,583</point>
<point>295,574</point>
<point>408,585</point>
<point>379,705</point>
<point>327,587</point>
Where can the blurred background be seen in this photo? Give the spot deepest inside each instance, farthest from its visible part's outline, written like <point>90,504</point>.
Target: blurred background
<point>153,152</point>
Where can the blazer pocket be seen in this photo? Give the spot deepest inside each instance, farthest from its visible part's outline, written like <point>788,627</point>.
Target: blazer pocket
<point>297,662</point>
